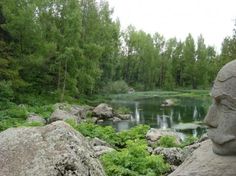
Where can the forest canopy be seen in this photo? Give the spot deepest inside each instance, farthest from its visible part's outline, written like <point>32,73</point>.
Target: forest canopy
<point>73,48</point>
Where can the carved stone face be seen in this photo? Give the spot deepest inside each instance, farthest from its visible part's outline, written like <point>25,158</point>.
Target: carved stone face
<point>221,116</point>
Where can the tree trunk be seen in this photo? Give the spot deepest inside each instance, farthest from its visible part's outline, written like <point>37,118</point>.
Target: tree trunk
<point>64,82</point>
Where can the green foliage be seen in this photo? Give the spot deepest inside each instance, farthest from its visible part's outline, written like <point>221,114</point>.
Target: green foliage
<point>92,130</point>
<point>122,110</point>
<point>6,91</point>
<point>14,112</point>
<point>109,134</point>
<point>116,87</point>
<point>11,122</point>
<point>134,161</point>
<point>188,141</point>
<point>167,141</point>
<point>44,110</point>
<point>137,132</point>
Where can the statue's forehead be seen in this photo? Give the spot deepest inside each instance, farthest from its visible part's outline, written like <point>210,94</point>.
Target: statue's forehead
<point>226,73</point>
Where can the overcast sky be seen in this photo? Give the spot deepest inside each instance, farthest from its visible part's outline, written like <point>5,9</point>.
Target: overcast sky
<point>214,19</point>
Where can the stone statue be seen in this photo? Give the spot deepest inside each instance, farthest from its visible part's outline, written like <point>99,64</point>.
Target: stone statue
<point>221,116</point>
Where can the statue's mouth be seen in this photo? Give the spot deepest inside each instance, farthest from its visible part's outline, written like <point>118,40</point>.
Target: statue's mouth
<point>219,137</point>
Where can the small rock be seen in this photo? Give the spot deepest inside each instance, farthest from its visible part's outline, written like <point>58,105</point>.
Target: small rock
<point>168,103</point>
<point>35,118</point>
<point>155,134</point>
<point>125,116</point>
<point>100,121</point>
<point>174,156</point>
<point>100,150</point>
<point>103,111</point>
<point>116,119</point>
<point>98,142</point>
<point>150,150</point>
<point>62,115</point>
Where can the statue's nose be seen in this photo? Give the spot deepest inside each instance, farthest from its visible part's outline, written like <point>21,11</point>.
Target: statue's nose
<point>212,116</point>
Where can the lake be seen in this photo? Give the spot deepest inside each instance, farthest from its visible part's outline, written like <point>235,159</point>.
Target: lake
<point>185,116</point>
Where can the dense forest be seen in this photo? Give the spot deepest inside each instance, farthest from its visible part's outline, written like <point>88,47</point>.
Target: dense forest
<point>70,48</point>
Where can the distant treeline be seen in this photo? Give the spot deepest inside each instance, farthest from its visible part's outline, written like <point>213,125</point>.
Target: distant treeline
<point>74,48</point>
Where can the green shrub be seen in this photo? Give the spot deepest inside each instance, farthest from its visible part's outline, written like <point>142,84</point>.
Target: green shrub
<point>6,91</point>
<point>11,122</point>
<point>134,161</point>
<point>14,112</point>
<point>167,141</point>
<point>188,141</point>
<point>116,87</point>
<point>92,130</point>
<point>44,110</point>
<point>122,110</point>
<point>137,132</point>
<point>109,134</point>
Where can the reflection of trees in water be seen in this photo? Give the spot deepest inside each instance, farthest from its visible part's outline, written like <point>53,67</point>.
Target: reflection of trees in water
<point>151,113</point>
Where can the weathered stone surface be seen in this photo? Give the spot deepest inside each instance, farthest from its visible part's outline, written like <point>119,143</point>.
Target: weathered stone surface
<point>204,162</point>
<point>100,147</point>
<point>63,115</point>
<point>98,142</point>
<point>64,111</point>
<point>124,116</point>
<point>116,119</point>
<point>52,150</point>
<point>100,150</point>
<point>221,116</point>
<point>155,134</point>
<point>173,156</point>
<point>35,118</point>
<point>103,111</point>
<point>79,111</point>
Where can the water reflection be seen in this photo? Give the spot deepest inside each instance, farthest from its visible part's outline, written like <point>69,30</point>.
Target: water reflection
<point>137,113</point>
<point>149,111</point>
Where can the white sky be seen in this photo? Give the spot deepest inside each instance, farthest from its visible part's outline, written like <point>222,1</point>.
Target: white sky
<point>214,19</point>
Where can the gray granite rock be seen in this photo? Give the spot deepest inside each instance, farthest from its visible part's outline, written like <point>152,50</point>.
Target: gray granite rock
<point>204,162</point>
<point>155,134</point>
<point>103,111</point>
<point>52,150</point>
<point>221,116</point>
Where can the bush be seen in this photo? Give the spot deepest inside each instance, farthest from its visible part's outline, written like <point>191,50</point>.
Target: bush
<point>134,161</point>
<point>12,122</point>
<point>108,133</point>
<point>92,130</point>
<point>168,141</point>
<point>6,91</point>
<point>188,141</point>
<point>116,87</point>
<point>122,110</point>
<point>44,111</point>
<point>137,132</point>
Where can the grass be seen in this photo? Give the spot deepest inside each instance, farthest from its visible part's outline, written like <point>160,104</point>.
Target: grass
<point>164,94</point>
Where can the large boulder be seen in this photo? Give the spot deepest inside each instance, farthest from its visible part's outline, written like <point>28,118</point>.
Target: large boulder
<point>204,162</point>
<point>103,111</point>
<point>55,150</point>
<point>155,134</point>
<point>63,115</point>
<point>63,111</point>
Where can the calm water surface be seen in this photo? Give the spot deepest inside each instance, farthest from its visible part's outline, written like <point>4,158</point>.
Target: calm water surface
<point>188,111</point>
